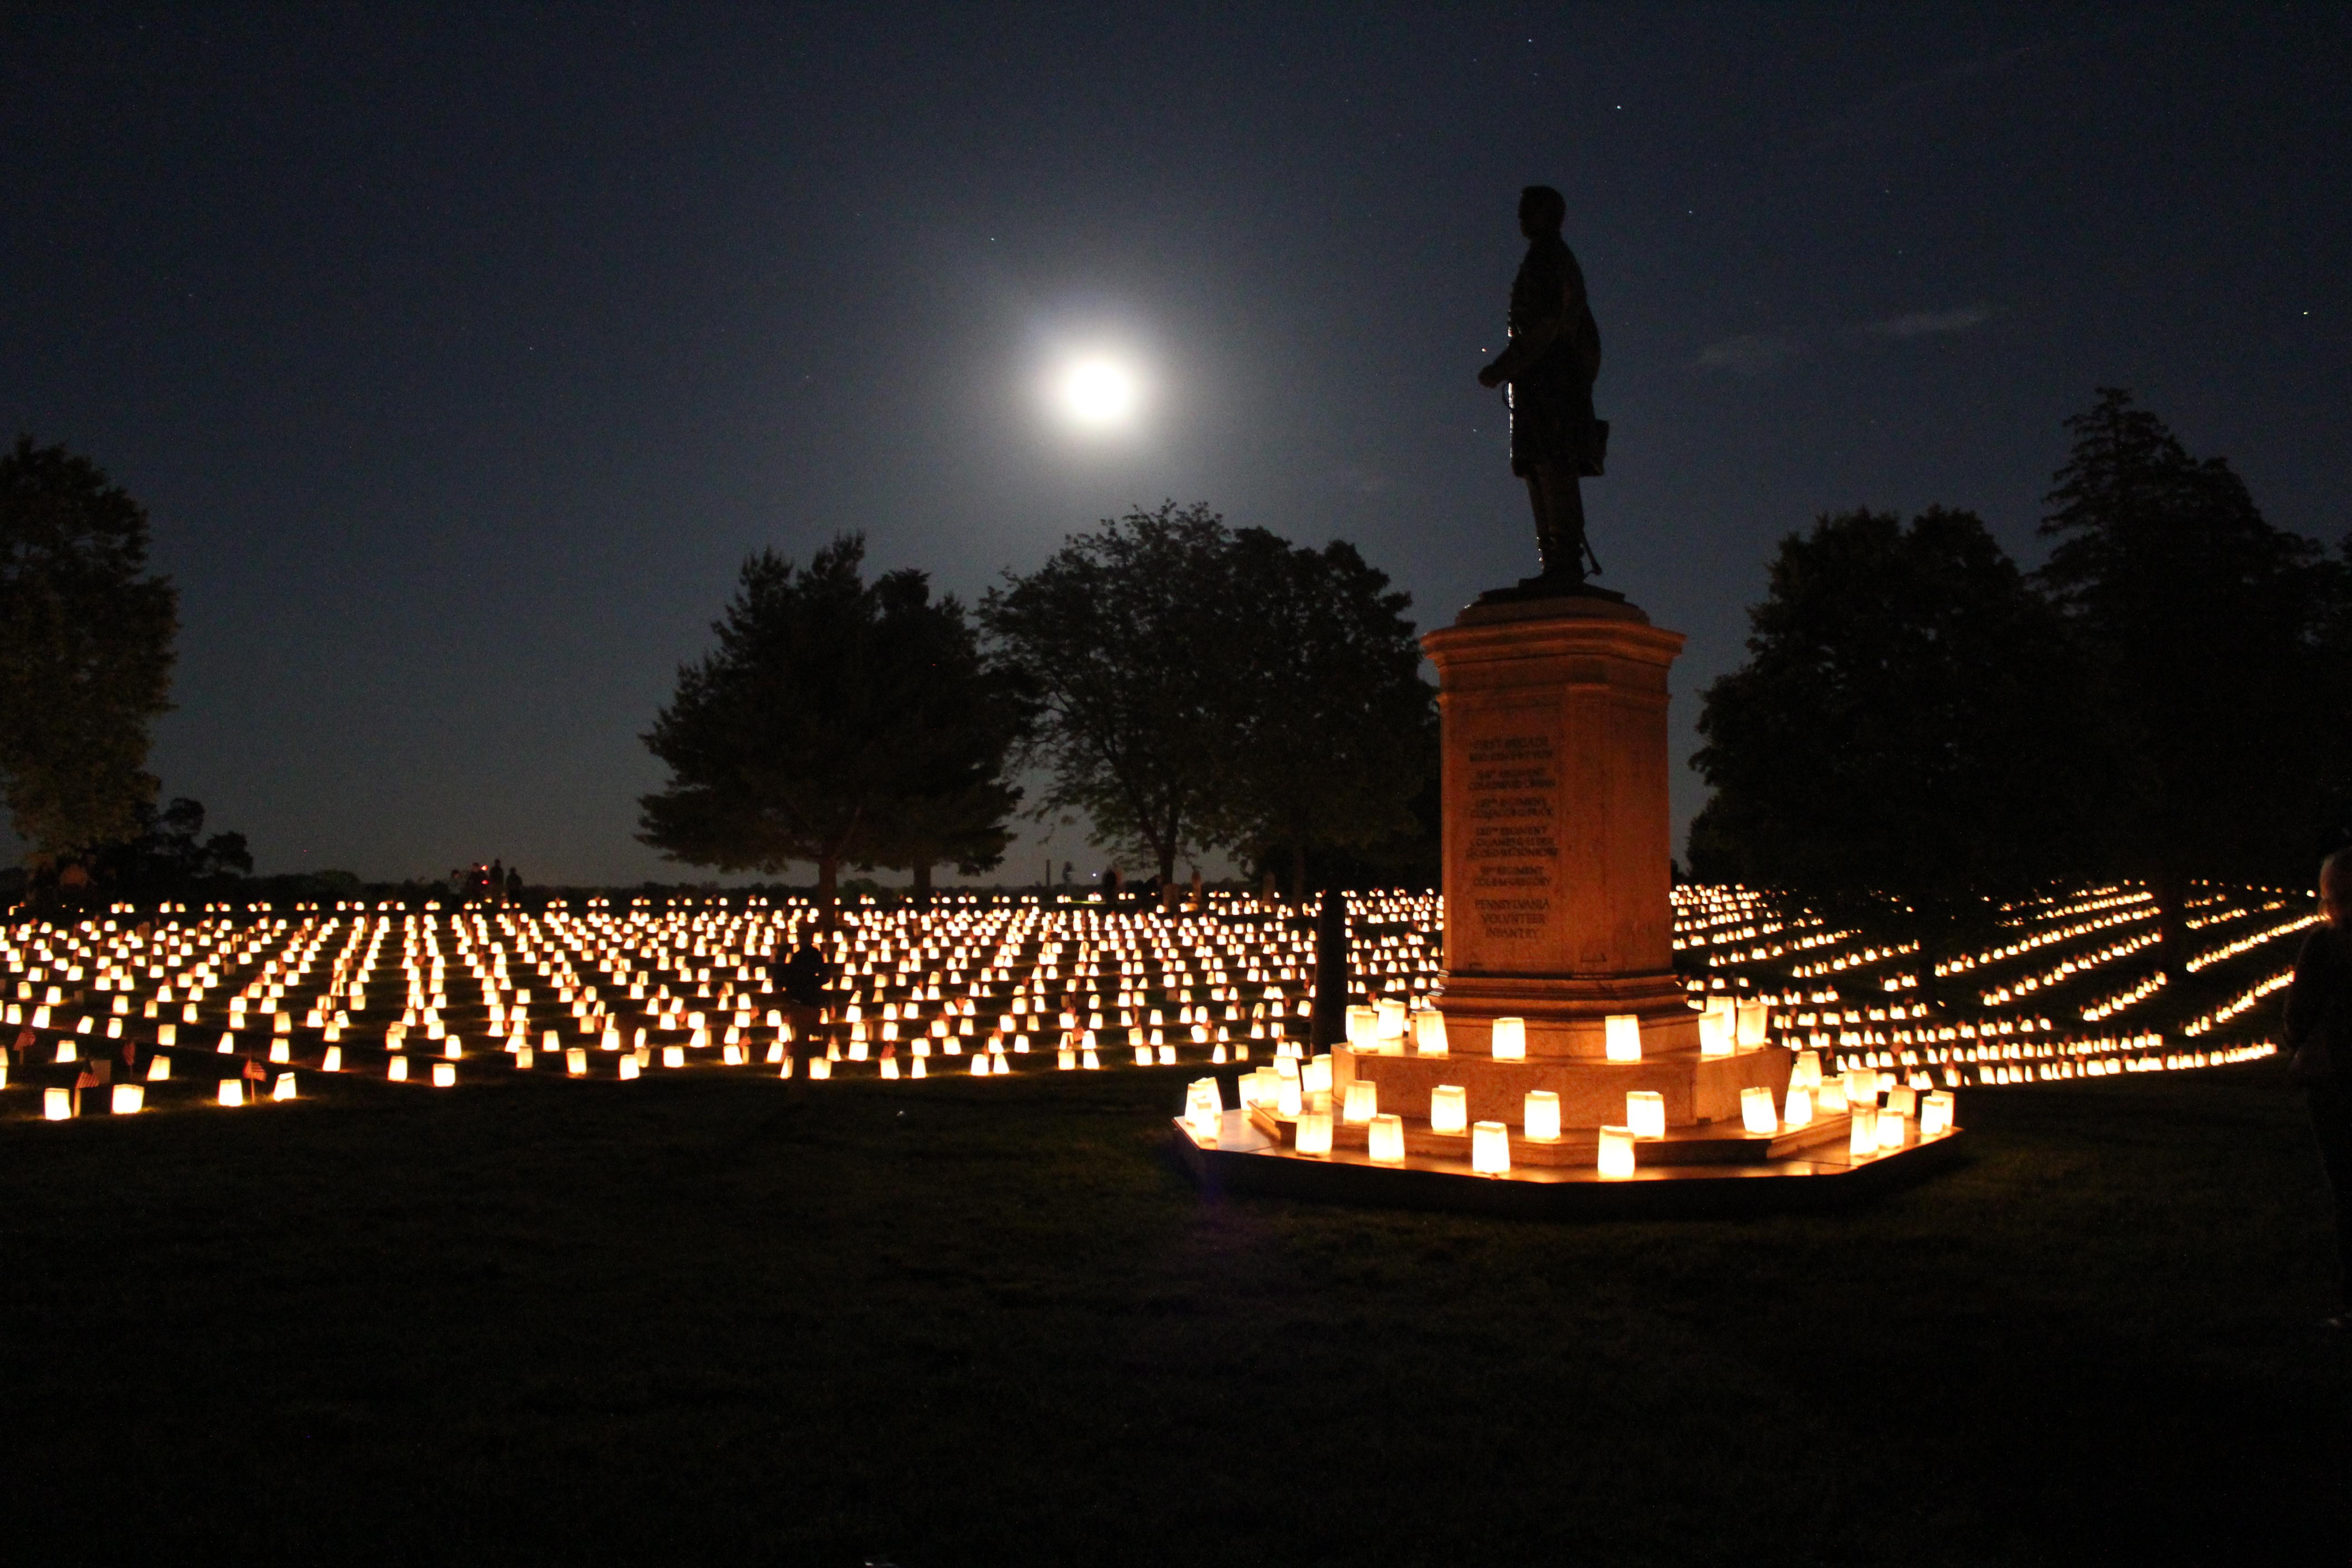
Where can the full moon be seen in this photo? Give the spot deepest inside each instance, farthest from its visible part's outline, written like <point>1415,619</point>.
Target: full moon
<point>1098,394</point>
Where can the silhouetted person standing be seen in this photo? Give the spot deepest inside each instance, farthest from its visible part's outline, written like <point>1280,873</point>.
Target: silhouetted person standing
<point>2319,1048</point>
<point>1553,357</point>
<point>802,979</point>
<point>1329,1023</point>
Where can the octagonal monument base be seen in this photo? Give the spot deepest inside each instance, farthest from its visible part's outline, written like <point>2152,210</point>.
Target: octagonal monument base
<point>1674,1178</point>
<point>1560,914</point>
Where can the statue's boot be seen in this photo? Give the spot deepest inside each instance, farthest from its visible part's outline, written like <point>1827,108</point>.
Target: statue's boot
<point>1563,561</point>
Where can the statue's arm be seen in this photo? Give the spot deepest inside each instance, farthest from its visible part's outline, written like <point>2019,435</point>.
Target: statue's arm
<point>1527,345</point>
<point>1534,337</point>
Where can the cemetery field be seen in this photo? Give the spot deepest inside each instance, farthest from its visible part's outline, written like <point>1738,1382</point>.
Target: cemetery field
<point>697,1318</point>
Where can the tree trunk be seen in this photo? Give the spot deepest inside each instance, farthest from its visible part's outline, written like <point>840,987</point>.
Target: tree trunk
<point>2171,889</point>
<point>922,884</point>
<point>1297,870</point>
<point>828,878</point>
<point>1167,864</point>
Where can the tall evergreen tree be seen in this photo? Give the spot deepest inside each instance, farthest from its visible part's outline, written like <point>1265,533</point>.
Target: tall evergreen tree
<point>1908,731</point>
<point>2206,627</point>
<point>1334,729</point>
<point>837,721</point>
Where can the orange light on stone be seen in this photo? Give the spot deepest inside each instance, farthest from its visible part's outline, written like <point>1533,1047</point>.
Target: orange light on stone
<point>1490,1149</point>
<point>1362,1100</point>
<point>1388,1138</point>
<point>1621,1037</point>
<point>1756,1112</point>
<point>1539,1114</point>
<point>1616,1153</point>
<point>1449,1109</point>
<point>1510,1041</point>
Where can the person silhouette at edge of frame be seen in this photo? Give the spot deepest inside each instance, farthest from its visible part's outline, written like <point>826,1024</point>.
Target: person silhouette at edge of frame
<point>2319,1054</point>
<point>1328,1022</point>
<point>802,979</point>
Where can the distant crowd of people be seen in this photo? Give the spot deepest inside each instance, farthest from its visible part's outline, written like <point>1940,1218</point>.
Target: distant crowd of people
<point>495,883</point>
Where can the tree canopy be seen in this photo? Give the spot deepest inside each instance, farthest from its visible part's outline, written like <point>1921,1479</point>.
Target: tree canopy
<point>1920,720</point>
<point>1205,688</point>
<point>1336,730</point>
<point>1909,725</point>
<point>1125,634</point>
<point>86,636</point>
<point>171,853</point>
<point>837,721</point>
<point>2208,634</point>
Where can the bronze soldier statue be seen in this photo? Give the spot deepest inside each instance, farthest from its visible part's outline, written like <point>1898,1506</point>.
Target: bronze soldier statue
<point>1549,366</point>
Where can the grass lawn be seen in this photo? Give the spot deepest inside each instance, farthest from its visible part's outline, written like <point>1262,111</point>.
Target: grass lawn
<point>957,1322</point>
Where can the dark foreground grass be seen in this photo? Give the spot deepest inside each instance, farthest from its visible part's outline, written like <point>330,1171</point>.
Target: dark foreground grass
<point>959,1322</point>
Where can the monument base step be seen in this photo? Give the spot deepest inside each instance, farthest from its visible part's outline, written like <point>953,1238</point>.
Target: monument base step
<point>1246,1159</point>
<point>1713,1143</point>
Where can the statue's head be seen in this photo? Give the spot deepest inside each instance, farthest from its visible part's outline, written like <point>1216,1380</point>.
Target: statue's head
<point>1541,211</point>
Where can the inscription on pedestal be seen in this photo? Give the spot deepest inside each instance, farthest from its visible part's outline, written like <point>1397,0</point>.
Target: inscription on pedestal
<point>1513,855</point>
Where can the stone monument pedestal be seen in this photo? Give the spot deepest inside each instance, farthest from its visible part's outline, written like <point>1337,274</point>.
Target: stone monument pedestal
<point>1558,908</point>
<point>1559,913</point>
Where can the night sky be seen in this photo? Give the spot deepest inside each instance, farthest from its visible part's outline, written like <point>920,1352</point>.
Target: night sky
<point>460,359</point>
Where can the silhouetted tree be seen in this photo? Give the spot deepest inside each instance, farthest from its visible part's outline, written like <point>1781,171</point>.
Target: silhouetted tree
<point>2206,628</point>
<point>1907,732</point>
<point>1335,731</point>
<point>86,655</point>
<point>834,719</point>
<point>957,804</point>
<point>1127,634</point>
<point>171,853</point>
